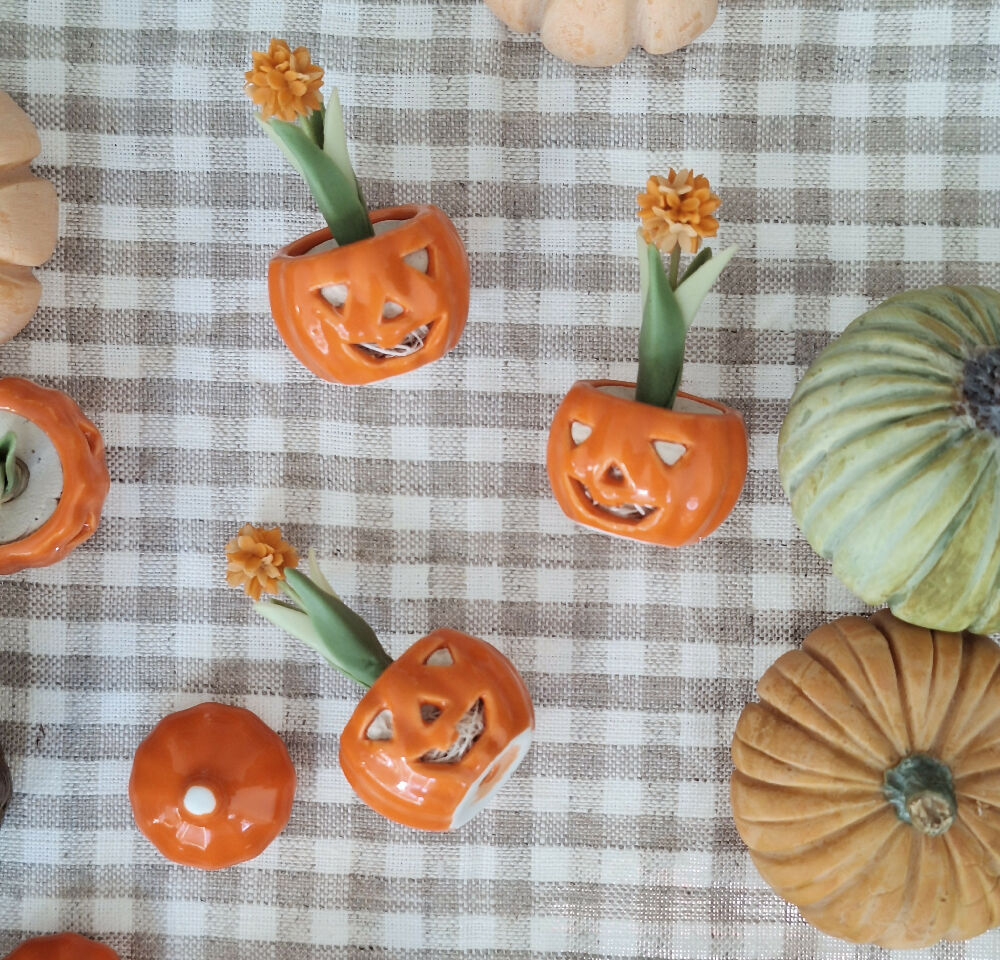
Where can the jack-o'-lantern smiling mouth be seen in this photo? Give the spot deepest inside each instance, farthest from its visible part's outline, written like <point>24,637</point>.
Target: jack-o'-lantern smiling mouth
<point>634,513</point>
<point>414,341</point>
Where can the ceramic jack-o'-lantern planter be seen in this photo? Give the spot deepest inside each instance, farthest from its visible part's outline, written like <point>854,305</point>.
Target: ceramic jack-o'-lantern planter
<point>439,730</point>
<point>62,946</point>
<point>53,477</point>
<point>374,294</point>
<point>643,460</point>
<point>29,219</point>
<point>211,786</point>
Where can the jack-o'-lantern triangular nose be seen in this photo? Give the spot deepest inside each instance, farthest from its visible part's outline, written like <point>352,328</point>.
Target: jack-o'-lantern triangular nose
<point>613,476</point>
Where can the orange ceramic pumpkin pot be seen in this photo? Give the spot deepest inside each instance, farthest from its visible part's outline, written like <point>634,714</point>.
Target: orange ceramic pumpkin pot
<point>665,476</point>
<point>354,342</point>
<point>397,750</point>
<point>62,946</point>
<point>85,480</point>
<point>211,786</point>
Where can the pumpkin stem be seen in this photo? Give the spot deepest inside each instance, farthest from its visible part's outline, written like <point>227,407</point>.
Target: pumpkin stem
<point>922,792</point>
<point>981,389</point>
<point>13,472</point>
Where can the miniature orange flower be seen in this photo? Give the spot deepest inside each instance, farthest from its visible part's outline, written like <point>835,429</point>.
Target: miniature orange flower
<point>257,560</point>
<point>676,209</point>
<point>284,83</point>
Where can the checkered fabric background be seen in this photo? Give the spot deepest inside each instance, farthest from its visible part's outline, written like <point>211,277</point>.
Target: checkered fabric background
<point>855,144</point>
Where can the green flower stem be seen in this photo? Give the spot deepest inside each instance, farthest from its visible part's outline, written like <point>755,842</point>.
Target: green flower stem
<point>662,335</point>
<point>321,619</point>
<point>675,262</point>
<point>13,473</point>
<point>317,148</point>
<point>668,309</point>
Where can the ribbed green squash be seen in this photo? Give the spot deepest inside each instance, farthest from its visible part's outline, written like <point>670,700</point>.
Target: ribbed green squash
<point>890,455</point>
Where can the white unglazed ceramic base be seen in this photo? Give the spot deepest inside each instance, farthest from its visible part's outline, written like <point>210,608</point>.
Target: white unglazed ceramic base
<point>25,514</point>
<point>471,805</point>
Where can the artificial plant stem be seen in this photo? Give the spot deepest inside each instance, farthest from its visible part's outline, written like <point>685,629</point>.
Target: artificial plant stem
<point>662,335</point>
<point>13,474</point>
<point>345,639</point>
<point>313,125</point>
<point>335,194</point>
<point>675,262</point>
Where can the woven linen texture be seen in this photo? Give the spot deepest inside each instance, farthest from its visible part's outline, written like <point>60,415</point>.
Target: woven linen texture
<point>855,146</point>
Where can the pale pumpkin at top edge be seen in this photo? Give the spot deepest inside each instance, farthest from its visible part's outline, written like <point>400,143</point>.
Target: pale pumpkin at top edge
<point>600,33</point>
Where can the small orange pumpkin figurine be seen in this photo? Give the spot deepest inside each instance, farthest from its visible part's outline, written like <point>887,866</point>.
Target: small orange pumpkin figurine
<point>373,295</point>
<point>211,786</point>
<point>53,477</point>
<point>439,730</point>
<point>644,460</point>
<point>62,946</point>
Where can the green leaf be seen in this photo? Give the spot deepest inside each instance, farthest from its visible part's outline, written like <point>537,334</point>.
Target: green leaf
<point>341,636</point>
<point>334,194</point>
<point>661,338</point>
<point>693,289</point>
<point>335,143</point>
<point>318,576</point>
<point>699,260</point>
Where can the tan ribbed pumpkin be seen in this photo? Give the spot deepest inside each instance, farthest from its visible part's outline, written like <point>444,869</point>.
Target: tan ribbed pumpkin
<point>867,781</point>
<point>598,33</point>
<point>29,219</point>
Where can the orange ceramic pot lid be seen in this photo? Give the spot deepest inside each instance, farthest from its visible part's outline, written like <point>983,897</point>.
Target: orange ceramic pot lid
<point>665,476</point>
<point>329,305</point>
<point>62,946</point>
<point>211,786</point>
<point>84,484</point>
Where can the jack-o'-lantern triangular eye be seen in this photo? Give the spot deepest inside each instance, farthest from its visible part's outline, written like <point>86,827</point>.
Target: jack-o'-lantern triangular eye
<point>381,727</point>
<point>391,310</point>
<point>579,431</point>
<point>440,658</point>
<point>668,451</point>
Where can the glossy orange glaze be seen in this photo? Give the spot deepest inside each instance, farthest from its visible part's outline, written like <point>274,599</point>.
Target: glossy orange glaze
<point>325,338</point>
<point>62,946</point>
<point>389,775</point>
<point>239,758</point>
<point>85,474</point>
<point>617,463</point>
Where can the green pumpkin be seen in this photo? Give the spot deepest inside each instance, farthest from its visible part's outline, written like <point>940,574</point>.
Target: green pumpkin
<point>890,455</point>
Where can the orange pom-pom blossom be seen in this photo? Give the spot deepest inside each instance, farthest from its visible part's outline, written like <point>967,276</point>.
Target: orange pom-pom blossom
<point>257,560</point>
<point>284,83</point>
<point>676,209</point>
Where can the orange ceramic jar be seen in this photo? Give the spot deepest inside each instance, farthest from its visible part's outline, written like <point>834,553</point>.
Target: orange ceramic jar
<point>211,786</point>
<point>665,476</point>
<point>359,340</point>
<point>85,480</point>
<point>62,946</point>
<point>402,749</point>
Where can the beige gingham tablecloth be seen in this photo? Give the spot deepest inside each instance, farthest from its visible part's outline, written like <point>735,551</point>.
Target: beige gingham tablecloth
<point>855,146</point>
